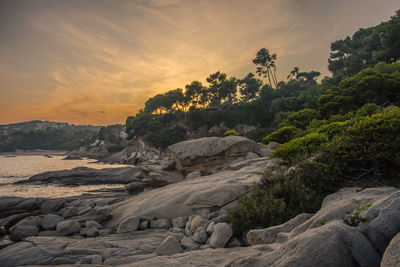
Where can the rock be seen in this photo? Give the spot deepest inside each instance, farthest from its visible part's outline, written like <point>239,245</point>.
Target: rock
<point>205,246</point>
<point>169,246</point>
<point>189,243</point>
<point>31,220</point>
<point>100,202</point>
<point>50,221</point>
<point>201,235</point>
<point>193,175</point>
<point>176,230</point>
<point>210,228</point>
<point>251,155</point>
<point>52,205</point>
<point>183,198</point>
<point>134,188</point>
<point>160,224</point>
<point>104,232</point>
<point>269,235</point>
<point>89,231</point>
<point>204,154</point>
<point>222,218</point>
<point>93,224</point>
<point>50,233</point>
<point>391,257</point>
<point>68,227</point>
<point>234,243</point>
<point>179,222</point>
<point>221,235</point>
<point>16,205</point>
<point>168,165</point>
<point>197,222</point>
<point>85,176</point>
<point>69,212</point>
<point>129,224</point>
<point>144,225</point>
<point>98,214</point>
<point>154,176</point>
<point>21,231</point>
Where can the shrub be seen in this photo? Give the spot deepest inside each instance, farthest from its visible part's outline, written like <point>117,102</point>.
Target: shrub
<point>301,119</point>
<point>230,132</point>
<point>300,147</point>
<point>367,147</point>
<point>282,135</point>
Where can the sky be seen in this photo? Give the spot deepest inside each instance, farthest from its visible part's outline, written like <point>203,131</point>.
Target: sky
<point>97,61</point>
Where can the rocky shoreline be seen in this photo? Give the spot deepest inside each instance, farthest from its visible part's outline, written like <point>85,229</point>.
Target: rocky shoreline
<point>175,213</point>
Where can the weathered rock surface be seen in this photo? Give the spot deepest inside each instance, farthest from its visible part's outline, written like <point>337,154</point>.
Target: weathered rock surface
<point>205,154</point>
<point>391,257</point>
<point>134,188</point>
<point>160,224</point>
<point>86,176</point>
<point>185,197</point>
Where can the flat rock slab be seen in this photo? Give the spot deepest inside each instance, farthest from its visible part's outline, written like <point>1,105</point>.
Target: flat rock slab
<point>85,176</point>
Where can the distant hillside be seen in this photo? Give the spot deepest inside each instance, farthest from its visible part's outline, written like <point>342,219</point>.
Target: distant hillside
<point>46,135</point>
<point>36,125</point>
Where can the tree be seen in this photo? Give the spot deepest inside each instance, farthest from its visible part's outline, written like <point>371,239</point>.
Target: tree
<point>249,87</point>
<point>193,92</point>
<point>265,63</point>
<point>221,89</point>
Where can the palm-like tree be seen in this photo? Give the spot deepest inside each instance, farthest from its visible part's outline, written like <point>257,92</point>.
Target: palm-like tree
<point>265,63</point>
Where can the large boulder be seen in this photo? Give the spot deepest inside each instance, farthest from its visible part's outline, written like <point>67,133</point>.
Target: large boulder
<point>205,154</point>
<point>186,197</point>
<point>19,232</point>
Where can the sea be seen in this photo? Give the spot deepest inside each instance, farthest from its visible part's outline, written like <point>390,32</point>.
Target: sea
<point>15,168</point>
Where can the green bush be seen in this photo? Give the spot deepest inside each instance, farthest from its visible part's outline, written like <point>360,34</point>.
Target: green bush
<point>301,119</point>
<point>282,135</point>
<point>300,147</point>
<point>230,132</point>
<point>370,146</point>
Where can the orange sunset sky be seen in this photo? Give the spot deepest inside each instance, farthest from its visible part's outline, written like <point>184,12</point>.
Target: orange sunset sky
<point>97,61</point>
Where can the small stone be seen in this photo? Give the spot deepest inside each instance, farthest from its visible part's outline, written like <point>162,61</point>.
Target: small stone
<point>52,205</point>
<point>134,188</point>
<point>50,221</point>
<point>89,232</point>
<point>176,230</point>
<point>93,224</point>
<point>210,228</point>
<point>144,225</point>
<point>104,232</point>
<point>189,243</point>
<point>70,212</point>
<point>160,224</point>
<point>19,232</point>
<point>128,225</point>
<point>169,246</point>
<point>221,235</point>
<point>179,222</point>
<point>197,222</point>
<point>222,218</point>
<point>201,235</point>
<point>68,227</point>
<point>96,259</point>
<point>205,246</point>
<point>193,175</point>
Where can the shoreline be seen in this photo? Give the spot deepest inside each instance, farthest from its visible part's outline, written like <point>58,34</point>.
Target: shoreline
<point>34,152</point>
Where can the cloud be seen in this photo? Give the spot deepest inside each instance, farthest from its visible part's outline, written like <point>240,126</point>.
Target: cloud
<point>71,62</point>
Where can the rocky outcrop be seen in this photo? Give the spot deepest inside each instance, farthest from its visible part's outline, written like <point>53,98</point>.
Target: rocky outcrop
<point>186,197</point>
<point>208,153</point>
<point>85,176</point>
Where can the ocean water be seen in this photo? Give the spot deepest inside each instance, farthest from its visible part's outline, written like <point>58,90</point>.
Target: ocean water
<point>22,167</point>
